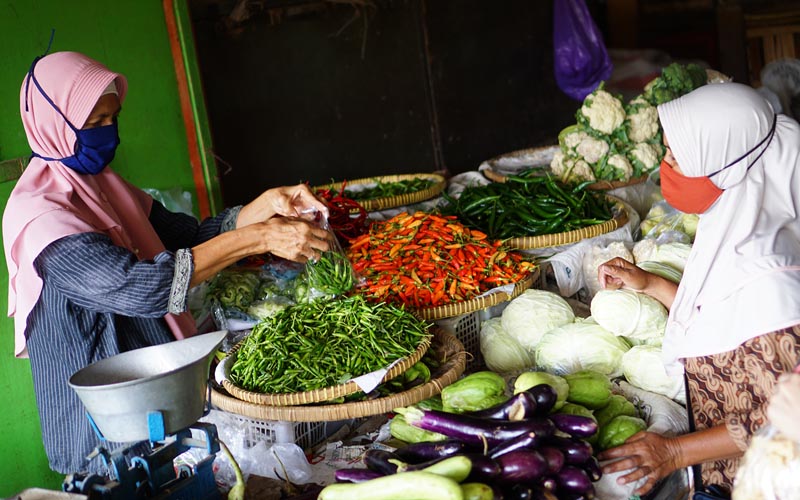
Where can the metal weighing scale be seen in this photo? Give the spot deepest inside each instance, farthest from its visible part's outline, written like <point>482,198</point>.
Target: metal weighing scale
<point>150,397</point>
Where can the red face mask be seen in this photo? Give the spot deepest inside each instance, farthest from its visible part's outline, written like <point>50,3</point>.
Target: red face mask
<point>691,195</point>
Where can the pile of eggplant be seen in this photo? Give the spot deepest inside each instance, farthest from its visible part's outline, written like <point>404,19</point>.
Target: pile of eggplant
<point>516,450</point>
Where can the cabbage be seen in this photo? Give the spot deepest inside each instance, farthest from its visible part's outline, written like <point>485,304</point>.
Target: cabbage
<point>629,314</point>
<point>501,352</point>
<point>674,254</point>
<point>534,313</point>
<point>643,367</point>
<point>583,345</point>
<point>664,270</point>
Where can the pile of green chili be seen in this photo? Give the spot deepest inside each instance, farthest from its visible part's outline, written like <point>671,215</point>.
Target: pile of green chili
<point>323,344</point>
<point>528,205</point>
<point>387,189</point>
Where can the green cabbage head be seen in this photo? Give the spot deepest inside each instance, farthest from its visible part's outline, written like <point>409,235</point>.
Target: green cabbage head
<point>642,367</point>
<point>629,314</point>
<point>583,345</point>
<point>501,352</point>
<point>534,313</point>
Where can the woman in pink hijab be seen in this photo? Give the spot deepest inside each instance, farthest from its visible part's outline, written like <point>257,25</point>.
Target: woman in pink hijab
<point>96,266</point>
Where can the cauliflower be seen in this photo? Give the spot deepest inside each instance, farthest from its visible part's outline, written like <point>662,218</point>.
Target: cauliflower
<point>645,157</point>
<point>642,120</point>
<point>601,111</point>
<point>591,149</point>
<point>622,167</point>
<point>576,142</point>
<point>571,169</point>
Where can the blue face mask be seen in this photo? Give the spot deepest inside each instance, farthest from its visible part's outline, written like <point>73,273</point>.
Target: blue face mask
<point>94,147</point>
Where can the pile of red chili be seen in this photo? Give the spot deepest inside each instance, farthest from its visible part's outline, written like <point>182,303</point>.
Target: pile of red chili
<point>426,260</point>
<point>347,217</point>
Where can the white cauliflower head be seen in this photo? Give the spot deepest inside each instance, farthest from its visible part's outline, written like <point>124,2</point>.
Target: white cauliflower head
<point>571,169</point>
<point>622,167</point>
<point>646,156</point>
<point>603,111</point>
<point>573,139</point>
<point>642,120</point>
<point>591,149</point>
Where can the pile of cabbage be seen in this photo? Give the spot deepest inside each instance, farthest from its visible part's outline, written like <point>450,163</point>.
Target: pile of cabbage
<point>622,337</point>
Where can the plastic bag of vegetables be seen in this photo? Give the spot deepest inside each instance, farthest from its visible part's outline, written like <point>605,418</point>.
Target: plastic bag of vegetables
<point>579,346</point>
<point>234,289</point>
<point>329,276</point>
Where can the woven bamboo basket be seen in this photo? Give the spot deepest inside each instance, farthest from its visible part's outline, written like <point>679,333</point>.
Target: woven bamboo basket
<point>478,303</point>
<point>557,239</point>
<point>500,167</point>
<point>326,393</point>
<point>449,351</point>
<point>378,204</point>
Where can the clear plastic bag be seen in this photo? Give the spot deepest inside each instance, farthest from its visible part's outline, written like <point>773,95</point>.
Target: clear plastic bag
<point>770,468</point>
<point>581,59</point>
<point>667,224</point>
<point>329,276</point>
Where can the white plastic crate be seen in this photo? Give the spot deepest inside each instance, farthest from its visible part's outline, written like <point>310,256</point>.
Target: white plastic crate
<point>304,434</point>
<point>245,432</point>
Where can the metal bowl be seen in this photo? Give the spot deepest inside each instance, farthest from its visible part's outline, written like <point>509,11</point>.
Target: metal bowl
<point>119,392</point>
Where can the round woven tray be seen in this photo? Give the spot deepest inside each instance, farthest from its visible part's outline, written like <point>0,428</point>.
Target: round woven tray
<point>574,236</point>
<point>478,303</point>
<point>378,204</point>
<point>500,167</point>
<point>326,393</point>
<point>450,352</point>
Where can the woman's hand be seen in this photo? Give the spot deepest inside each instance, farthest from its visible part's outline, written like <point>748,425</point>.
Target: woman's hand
<point>784,406</point>
<point>293,238</point>
<point>288,201</point>
<point>619,273</point>
<point>649,455</point>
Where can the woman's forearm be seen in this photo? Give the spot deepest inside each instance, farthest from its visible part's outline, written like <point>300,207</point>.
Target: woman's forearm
<point>221,251</point>
<point>707,445</point>
<point>662,289</point>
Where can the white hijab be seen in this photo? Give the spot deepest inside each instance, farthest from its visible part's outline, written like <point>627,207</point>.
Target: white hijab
<point>742,278</point>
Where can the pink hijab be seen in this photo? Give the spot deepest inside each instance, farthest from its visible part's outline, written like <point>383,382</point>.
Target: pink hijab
<point>51,201</point>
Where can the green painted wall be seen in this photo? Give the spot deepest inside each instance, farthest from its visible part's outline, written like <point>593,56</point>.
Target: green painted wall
<point>130,37</point>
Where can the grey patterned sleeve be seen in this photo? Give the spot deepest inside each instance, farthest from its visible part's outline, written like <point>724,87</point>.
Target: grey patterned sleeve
<point>229,222</point>
<point>184,268</point>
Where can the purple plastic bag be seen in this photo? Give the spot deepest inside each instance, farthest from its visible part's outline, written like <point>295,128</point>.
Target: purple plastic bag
<point>581,59</point>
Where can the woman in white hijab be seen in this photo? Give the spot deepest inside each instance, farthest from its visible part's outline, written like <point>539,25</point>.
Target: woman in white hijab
<point>734,322</point>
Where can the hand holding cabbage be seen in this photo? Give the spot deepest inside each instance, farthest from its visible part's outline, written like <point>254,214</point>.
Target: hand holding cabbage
<point>619,273</point>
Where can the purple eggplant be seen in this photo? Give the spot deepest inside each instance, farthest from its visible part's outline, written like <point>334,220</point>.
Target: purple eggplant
<point>527,492</point>
<point>592,468</point>
<point>483,468</point>
<point>380,461</point>
<point>476,431</point>
<point>422,452</point>
<point>521,466</point>
<point>518,407</point>
<point>548,483</point>
<point>574,425</point>
<point>572,479</point>
<point>355,475</point>
<point>554,456</point>
<point>528,441</point>
<point>575,451</point>
<point>545,396</point>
